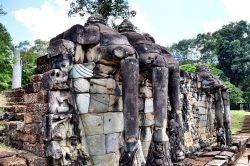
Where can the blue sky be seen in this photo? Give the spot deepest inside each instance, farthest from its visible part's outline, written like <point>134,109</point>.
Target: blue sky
<point>167,20</point>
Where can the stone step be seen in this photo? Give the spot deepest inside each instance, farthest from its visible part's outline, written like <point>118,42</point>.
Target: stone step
<point>15,103</point>
<point>19,92</point>
<point>14,108</point>
<point>32,159</point>
<point>15,99</point>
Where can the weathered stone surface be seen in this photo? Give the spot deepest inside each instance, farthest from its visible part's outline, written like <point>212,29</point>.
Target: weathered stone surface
<point>146,134</point>
<point>82,102</point>
<point>13,161</point>
<point>113,142</point>
<point>79,54</point>
<point>188,139</point>
<point>148,105</point>
<point>96,144</point>
<point>211,154</point>
<point>216,162</point>
<point>227,153</point>
<point>40,97</point>
<point>81,85</point>
<point>99,103</point>
<point>113,122</point>
<point>106,160</point>
<point>115,104</point>
<point>146,119</point>
<point>80,71</point>
<point>93,124</point>
<point>58,47</point>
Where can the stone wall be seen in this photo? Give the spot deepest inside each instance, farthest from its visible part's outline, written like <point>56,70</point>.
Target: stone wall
<point>89,104</point>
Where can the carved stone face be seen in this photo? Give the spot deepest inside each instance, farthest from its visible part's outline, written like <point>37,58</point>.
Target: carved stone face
<point>65,65</point>
<point>57,78</point>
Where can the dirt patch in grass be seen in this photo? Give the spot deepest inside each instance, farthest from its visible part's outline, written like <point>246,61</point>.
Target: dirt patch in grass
<point>237,120</point>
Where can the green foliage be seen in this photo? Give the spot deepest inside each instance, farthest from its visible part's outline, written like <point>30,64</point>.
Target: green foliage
<point>189,67</point>
<point>5,58</point>
<point>2,12</point>
<point>236,94</point>
<point>109,9</point>
<point>227,49</point>
<point>29,54</point>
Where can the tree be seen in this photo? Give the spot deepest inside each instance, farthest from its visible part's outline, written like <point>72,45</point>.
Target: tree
<point>29,54</point>
<point>5,55</point>
<point>228,49</point>
<point>2,12</point>
<point>233,49</point>
<point>109,9</point>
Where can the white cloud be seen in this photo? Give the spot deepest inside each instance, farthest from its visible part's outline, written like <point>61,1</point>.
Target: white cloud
<point>48,20</point>
<point>141,21</point>
<point>212,26</point>
<point>234,11</point>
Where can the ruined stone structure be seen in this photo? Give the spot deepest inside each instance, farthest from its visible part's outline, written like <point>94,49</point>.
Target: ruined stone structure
<point>107,97</point>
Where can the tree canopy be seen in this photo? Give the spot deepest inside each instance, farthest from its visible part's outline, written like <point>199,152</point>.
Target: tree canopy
<point>29,54</point>
<point>228,49</point>
<point>5,55</point>
<point>108,9</point>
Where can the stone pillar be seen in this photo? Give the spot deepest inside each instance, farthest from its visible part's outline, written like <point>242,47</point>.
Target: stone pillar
<point>176,135</point>
<point>227,117</point>
<point>159,149</point>
<point>17,70</point>
<point>220,131</point>
<point>130,76</point>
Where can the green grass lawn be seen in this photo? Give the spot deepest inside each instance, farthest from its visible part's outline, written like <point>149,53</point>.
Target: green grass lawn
<point>237,119</point>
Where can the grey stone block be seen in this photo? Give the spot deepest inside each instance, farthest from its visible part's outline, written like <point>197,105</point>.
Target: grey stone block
<point>81,85</point>
<point>113,122</point>
<point>99,103</point>
<point>110,159</point>
<point>115,104</point>
<point>96,144</point>
<point>92,123</point>
<point>146,119</point>
<point>82,102</point>
<point>112,142</point>
<point>217,162</point>
<point>149,105</point>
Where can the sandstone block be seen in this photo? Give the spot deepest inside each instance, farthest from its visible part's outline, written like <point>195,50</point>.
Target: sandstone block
<point>217,162</point>
<point>36,78</point>
<point>106,160</point>
<point>40,97</point>
<point>99,103</point>
<point>79,54</point>
<point>62,46</point>
<point>113,122</point>
<point>82,102</point>
<point>146,119</point>
<point>148,105</point>
<point>81,85</point>
<point>93,124</point>
<point>115,104</point>
<point>33,87</point>
<point>96,144</point>
<point>112,142</point>
<point>146,134</point>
